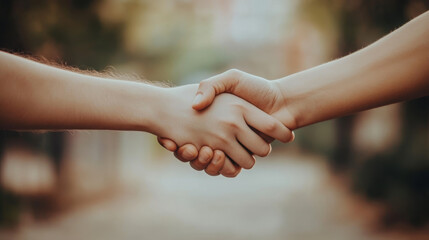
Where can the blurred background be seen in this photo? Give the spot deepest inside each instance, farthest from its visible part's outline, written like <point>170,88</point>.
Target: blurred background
<point>364,176</point>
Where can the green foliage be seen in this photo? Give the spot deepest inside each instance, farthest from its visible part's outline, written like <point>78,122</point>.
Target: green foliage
<point>10,206</point>
<point>67,30</point>
<point>404,187</point>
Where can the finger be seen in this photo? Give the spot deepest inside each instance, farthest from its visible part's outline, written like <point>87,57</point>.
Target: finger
<point>230,169</point>
<point>205,156</point>
<point>266,138</point>
<point>196,165</point>
<point>293,136</point>
<point>167,144</point>
<point>253,142</point>
<point>186,153</point>
<point>209,88</point>
<point>240,155</point>
<point>267,124</point>
<point>203,160</point>
<point>216,164</point>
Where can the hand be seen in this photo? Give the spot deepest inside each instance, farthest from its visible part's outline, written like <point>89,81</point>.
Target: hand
<point>223,126</point>
<point>202,160</point>
<point>264,94</point>
<point>260,92</point>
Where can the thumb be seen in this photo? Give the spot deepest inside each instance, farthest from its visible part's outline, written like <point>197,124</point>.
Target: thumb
<point>209,88</point>
<point>167,144</point>
<point>205,95</point>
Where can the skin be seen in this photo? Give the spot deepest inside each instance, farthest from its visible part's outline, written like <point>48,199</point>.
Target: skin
<point>393,69</point>
<point>35,96</point>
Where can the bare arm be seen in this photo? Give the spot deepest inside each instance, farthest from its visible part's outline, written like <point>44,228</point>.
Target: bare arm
<point>393,69</point>
<point>37,96</point>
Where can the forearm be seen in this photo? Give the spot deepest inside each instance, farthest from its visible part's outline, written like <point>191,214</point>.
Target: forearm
<point>393,69</point>
<point>37,96</point>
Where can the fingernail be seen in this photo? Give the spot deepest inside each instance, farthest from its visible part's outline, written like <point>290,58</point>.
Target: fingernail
<point>188,154</point>
<point>216,159</point>
<point>203,158</point>
<point>168,145</point>
<point>292,137</point>
<point>198,98</point>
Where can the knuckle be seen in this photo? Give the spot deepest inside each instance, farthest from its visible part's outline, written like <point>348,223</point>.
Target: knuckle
<point>233,125</point>
<point>223,136</point>
<point>203,83</point>
<point>239,106</point>
<point>234,76</point>
<point>223,140</point>
<point>233,72</point>
<point>230,123</point>
<point>271,126</point>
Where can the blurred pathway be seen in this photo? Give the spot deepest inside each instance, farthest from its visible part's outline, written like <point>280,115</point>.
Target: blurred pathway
<point>281,198</point>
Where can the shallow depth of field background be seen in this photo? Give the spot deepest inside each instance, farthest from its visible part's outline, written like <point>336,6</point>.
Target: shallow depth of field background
<point>364,176</point>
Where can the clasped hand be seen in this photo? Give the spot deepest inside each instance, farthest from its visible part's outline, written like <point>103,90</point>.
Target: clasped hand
<point>222,138</point>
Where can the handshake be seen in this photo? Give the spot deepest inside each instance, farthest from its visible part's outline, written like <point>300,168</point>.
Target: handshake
<point>220,124</point>
<point>235,115</point>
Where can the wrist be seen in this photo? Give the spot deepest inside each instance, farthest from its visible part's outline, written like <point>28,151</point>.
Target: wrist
<point>148,108</point>
<point>133,105</point>
<point>312,95</point>
<point>171,107</point>
<point>284,109</point>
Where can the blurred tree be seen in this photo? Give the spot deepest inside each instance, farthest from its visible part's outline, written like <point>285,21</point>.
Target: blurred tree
<point>400,177</point>
<point>69,31</point>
